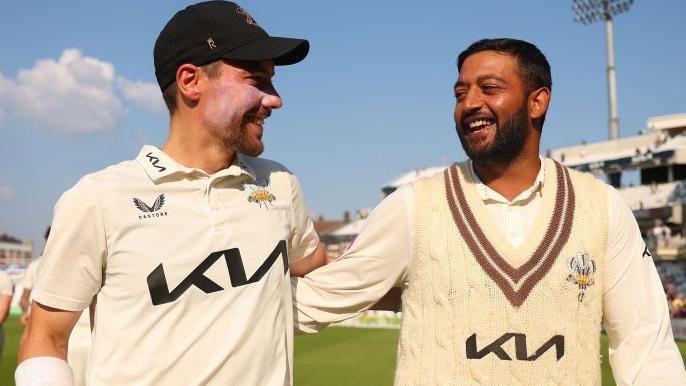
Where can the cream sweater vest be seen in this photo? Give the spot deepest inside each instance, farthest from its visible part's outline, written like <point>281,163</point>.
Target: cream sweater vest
<point>479,311</point>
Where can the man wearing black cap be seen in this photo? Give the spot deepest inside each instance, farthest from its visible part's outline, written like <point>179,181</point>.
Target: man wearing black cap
<point>185,249</point>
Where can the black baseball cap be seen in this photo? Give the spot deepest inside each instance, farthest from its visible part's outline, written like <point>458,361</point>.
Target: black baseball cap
<point>205,32</point>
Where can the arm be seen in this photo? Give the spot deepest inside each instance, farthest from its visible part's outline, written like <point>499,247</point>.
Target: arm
<point>47,332</point>
<point>390,302</point>
<point>376,261</point>
<point>43,351</point>
<point>4,307</point>
<point>70,275</point>
<point>24,301</point>
<point>636,316</point>
<point>309,263</point>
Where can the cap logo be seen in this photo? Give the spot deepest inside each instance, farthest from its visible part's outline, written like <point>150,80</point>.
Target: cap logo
<point>248,18</point>
<point>210,42</point>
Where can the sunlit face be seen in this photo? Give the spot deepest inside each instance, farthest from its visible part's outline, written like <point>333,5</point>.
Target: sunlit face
<point>236,104</point>
<point>491,116</point>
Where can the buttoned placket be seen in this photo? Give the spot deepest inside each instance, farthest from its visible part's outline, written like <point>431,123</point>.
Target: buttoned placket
<point>218,214</point>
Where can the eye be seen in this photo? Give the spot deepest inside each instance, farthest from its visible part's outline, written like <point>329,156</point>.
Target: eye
<point>460,94</point>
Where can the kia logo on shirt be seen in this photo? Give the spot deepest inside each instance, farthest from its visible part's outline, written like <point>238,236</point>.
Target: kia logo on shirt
<point>154,160</point>
<point>159,289</point>
<point>557,341</point>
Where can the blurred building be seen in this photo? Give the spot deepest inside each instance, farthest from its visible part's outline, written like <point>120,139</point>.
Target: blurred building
<point>658,198</point>
<point>15,252</point>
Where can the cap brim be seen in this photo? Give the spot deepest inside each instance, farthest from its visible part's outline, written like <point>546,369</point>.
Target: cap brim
<point>282,51</point>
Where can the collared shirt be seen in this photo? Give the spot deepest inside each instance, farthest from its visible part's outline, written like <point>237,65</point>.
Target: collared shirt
<point>512,217</point>
<point>190,270</point>
<point>635,313</point>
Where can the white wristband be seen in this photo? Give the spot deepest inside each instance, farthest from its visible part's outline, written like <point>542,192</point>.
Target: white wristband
<point>43,371</point>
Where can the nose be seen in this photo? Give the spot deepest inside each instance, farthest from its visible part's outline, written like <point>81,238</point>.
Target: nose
<point>473,100</point>
<point>271,99</point>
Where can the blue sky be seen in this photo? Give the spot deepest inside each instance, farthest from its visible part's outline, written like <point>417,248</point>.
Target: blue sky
<point>372,100</point>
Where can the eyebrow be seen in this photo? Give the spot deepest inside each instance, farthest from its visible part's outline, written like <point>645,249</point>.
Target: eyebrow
<point>254,68</point>
<point>480,79</point>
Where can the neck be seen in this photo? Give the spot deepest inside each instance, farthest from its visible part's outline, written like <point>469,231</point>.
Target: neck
<point>509,179</point>
<point>192,146</point>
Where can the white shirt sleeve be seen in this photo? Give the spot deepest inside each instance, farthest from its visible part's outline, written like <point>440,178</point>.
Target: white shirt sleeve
<point>6,287</point>
<point>635,312</point>
<point>71,269</point>
<point>375,261</point>
<point>304,238</point>
<point>30,275</point>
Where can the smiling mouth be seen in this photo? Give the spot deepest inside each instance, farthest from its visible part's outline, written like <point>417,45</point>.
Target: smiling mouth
<point>256,120</point>
<point>477,125</point>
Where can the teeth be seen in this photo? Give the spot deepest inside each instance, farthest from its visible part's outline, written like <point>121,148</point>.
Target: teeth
<point>257,120</point>
<point>477,123</point>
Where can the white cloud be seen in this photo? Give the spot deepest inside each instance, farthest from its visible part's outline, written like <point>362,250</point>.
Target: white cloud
<point>74,94</point>
<point>6,193</point>
<point>144,94</point>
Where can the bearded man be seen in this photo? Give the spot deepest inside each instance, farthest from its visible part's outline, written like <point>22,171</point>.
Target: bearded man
<point>508,261</point>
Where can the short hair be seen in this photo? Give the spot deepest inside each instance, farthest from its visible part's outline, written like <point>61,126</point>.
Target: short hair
<point>532,65</point>
<point>213,70</point>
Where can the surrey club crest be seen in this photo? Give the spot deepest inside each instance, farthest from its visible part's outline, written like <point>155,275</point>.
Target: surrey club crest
<point>583,269</point>
<point>260,194</point>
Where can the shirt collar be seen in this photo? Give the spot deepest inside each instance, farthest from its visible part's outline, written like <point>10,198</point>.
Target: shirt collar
<point>158,165</point>
<point>487,193</point>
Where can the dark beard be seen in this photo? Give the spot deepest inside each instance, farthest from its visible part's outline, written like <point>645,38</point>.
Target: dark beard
<point>507,144</point>
<point>242,143</point>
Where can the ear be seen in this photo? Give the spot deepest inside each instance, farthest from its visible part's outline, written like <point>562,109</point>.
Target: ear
<point>538,102</point>
<point>187,76</point>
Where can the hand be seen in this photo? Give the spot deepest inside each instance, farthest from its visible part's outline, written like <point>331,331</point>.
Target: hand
<point>24,318</point>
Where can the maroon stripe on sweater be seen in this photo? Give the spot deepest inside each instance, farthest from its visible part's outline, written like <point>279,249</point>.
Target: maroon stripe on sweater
<point>547,251</point>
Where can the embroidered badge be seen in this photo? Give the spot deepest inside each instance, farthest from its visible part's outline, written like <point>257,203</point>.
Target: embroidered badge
<point>583,269</point>
<point>261,195</point>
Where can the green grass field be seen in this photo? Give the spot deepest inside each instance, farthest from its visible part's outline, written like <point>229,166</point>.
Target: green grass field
<point>335,357</point>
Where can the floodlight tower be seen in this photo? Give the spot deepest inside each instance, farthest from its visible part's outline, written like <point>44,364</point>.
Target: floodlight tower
<point>590,11</point>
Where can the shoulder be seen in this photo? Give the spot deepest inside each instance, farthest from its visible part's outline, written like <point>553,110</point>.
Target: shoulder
<point>437,177</point>
<point>115,177</point>
<point>121,173</point>
<point>267,170</point>
<point>584,180</point>
<point>263,166</point>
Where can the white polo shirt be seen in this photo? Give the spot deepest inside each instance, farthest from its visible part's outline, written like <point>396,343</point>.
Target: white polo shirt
<point>190,270</point>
